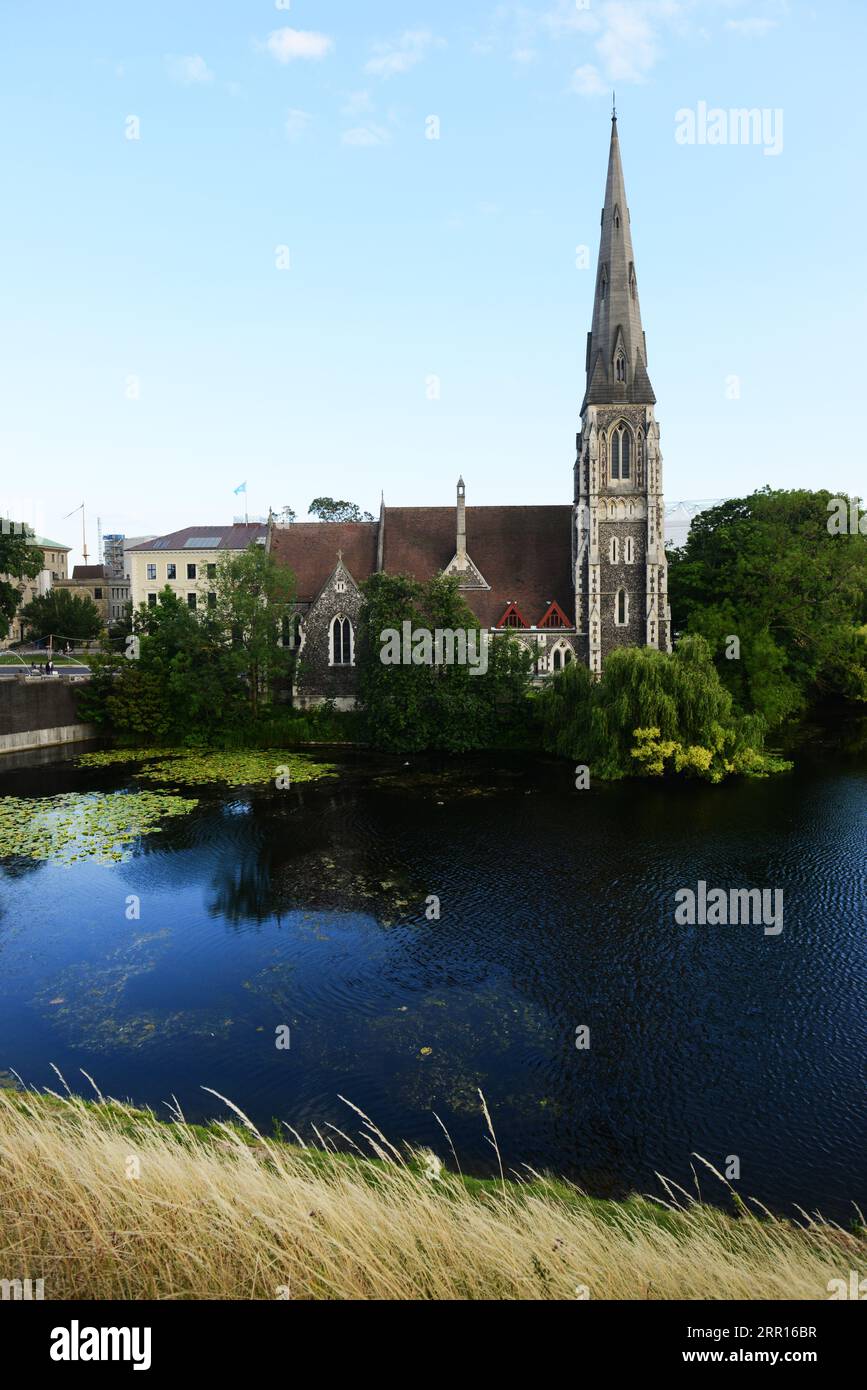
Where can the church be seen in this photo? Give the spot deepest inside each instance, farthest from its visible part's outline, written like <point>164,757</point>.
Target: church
<point>572,581</point>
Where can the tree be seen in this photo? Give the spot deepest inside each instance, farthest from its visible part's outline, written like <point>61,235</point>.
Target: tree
<point>61,614</point>
<point>253,595</point>
<point>18,560</point>
<point>652,713</point>
<point>766,569</point>
<point>411,707</point>
<point>174,681</point>
<point>326,509</point>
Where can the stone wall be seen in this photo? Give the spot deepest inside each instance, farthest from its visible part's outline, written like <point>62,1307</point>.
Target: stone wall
<point>38,711</point>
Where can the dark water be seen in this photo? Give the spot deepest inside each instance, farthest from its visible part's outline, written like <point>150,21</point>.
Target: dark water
<point>306,908</point>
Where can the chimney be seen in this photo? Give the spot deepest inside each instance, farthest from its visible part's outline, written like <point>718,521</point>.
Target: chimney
<point>462,525</point>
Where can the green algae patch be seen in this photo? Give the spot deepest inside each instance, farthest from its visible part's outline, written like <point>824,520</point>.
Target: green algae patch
<point>243,768</point>
<point>99,827</point>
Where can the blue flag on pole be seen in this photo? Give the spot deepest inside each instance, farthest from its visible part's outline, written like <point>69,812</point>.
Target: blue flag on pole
<point>242,488</point>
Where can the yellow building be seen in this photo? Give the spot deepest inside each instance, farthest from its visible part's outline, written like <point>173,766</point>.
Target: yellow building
<point>55,559</point>
<point>185,560</point>
<point>110,594</point>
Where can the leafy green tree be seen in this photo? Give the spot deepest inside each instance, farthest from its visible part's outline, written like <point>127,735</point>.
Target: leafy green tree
<point>327,509</point>
<point>18,560</point>
<point>60,613</point>
<point>174,681</point>
<point>767,570</point>
<point>434,706</point>
<point>652,712</point>
<point>253,595</point>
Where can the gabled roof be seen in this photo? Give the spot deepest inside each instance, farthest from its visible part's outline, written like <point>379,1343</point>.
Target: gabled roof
<point>191,538</point>
<point>310,549</point>
<point>88,571</point>
<point>525,553</point>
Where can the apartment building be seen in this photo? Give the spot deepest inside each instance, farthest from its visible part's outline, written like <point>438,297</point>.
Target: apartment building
<point>185,560</point>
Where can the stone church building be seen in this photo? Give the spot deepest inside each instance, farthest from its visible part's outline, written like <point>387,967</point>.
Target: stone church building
<point>571,581</point>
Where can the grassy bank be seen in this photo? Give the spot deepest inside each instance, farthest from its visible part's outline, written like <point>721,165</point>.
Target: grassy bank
<point>104,1201</point>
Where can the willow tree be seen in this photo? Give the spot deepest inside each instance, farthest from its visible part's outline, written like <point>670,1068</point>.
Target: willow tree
<point>652,713</point>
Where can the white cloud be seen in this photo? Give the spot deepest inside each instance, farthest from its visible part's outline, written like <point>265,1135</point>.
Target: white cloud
<point>401,54</point>
<point>751,28</point>
<point>190,71</point>
<point>365,136</point>
<point>357,104</point>
<point>288,44</point>
<point>588,82</point>
<point>567,18</point>
<point>296,124</point>
<point>628,46</point>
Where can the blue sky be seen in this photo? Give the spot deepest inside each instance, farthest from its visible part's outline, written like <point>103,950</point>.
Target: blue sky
<point>148,268</point>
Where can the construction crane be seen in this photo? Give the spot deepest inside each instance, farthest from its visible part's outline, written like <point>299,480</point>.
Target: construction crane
<point>83,528</point>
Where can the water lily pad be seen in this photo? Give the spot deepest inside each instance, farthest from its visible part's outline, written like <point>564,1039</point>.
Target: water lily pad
<point>247,767</point>
<point>96,826</point>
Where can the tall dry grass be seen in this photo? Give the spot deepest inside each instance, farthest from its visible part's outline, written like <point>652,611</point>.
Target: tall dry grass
<point>103,1201</point>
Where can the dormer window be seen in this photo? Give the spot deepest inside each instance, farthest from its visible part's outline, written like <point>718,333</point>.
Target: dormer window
<point>512,617</point>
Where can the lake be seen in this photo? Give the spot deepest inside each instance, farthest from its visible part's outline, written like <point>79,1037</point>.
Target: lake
<point>314,909</point>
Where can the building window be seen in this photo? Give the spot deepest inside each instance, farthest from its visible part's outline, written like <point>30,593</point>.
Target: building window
<point>620,367</point>
<point>97,593</point>
<point>212,571</point>
<point>561,656</point>
<point>342,653</point>
<point>191,571</point>
<point>171,571</point>
<point>290,631</point>
<point>621,608</point>
<point>621,453</point>
<point>152,571</point>
<point>613,554</point>
<point>212,600</point>
<point>152,600</point>
<point>629,550</point>
<point>191,600</point>
<point>554,617</point>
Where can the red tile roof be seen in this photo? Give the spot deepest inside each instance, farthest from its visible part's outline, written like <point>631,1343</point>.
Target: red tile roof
<point>524,553</point>
<point>310,550</point>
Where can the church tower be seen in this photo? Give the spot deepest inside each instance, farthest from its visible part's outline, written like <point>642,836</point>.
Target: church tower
<point>621,589</point>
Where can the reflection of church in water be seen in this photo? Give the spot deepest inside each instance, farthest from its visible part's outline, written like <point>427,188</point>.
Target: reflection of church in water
<point>571,582</point>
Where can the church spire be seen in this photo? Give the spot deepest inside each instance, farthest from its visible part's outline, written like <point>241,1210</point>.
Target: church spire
<point>616,350</point>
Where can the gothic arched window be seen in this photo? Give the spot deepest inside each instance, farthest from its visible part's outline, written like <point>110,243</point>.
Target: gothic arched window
<point>621,608</point>
<point>613,551</point>
<point>342,642</point>
<point>628,550</point>
<point>620,367</point>
<point>621,452</point>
